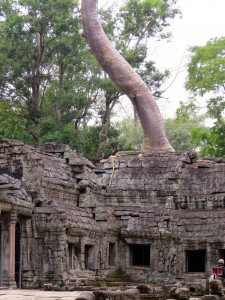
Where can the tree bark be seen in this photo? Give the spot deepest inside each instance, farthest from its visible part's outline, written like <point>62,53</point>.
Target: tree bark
<point>126,79</point>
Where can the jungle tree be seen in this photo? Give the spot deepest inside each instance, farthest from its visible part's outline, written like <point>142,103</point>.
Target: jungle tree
<point>50,84</point>
<point>44,63</point>
<point>130,38</point>
<point>126,79</point>
<point>206,77</point>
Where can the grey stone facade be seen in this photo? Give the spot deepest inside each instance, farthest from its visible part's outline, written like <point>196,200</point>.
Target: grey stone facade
<point>155,218</point>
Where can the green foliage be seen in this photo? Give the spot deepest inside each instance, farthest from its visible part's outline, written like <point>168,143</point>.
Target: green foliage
<point>179,134</point>
<point>130,134</point>
<point>206,70</point>
<point>206,77</point>
<point>52,131</point>
<point>181,131</point>
<point>139,22</point>
<point>51,86</point>
<point>146,18</point>
<point>86,141</point>
<point>210,142</point>
<point>39,51</point>
<point>13,124</point>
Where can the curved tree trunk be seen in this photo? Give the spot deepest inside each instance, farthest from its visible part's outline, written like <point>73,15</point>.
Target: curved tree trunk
<point>126,79</point>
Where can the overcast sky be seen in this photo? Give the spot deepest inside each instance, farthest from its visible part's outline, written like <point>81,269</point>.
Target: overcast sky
<point>201,20</point>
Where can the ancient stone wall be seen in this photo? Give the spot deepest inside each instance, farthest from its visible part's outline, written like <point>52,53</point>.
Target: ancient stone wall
<point>145,218</point>
<point>45,188</point>
<point>174,203</point>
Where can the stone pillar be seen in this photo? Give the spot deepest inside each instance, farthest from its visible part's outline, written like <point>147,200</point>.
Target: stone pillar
<point>5,248</point>
<point>12,235</point>
<point>60,260</point>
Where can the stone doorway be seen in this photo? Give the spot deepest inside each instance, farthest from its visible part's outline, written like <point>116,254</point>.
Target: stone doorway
<point>89,257</point>
<point>112,254</point>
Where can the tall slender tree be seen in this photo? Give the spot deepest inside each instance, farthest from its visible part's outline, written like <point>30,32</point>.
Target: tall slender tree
<point>126,79</point>
<point>126,37</point>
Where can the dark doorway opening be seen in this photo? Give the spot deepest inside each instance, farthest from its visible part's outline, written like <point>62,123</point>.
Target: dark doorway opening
<point>140,255</point>
<point>73,261</point>
<point>89,257</point>
<point>112,254</point>
<point>195,260</point>
<point>18,255</point>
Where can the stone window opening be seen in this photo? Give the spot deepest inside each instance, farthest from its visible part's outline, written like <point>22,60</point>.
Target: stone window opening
<point>140,255</point>
<point>167,223</point>
<point>89,257</point>
<point>222,253</point>
<point>73,262</point>
<point>195,261</point>
<point>112,254</point>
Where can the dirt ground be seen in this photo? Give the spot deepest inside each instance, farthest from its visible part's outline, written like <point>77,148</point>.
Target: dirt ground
<point>17,294</point>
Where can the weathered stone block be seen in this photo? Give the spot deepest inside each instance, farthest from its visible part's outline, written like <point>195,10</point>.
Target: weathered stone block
<point>118,295</point>
<point>86,296</point>
<point>48,287</point>
<point>182,293</point>
<point>216,287</point>
<point>211,297</point>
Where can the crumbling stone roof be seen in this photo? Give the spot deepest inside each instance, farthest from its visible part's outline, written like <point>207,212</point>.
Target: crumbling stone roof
<point>51,173</point>
<point>12,193</point>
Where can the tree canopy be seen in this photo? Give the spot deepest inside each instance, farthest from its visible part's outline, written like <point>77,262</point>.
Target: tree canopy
<point>51,88</point>
<point>182,130</point>
<point>206,79</point>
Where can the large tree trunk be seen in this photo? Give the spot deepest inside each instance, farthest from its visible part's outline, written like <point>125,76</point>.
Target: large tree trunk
<point>126,79</point>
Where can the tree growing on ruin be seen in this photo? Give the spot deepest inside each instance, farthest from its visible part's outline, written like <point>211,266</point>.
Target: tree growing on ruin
<point>126,79</point>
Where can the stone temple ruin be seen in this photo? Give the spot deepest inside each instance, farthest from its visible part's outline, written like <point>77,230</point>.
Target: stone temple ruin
<point>156,218</point>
